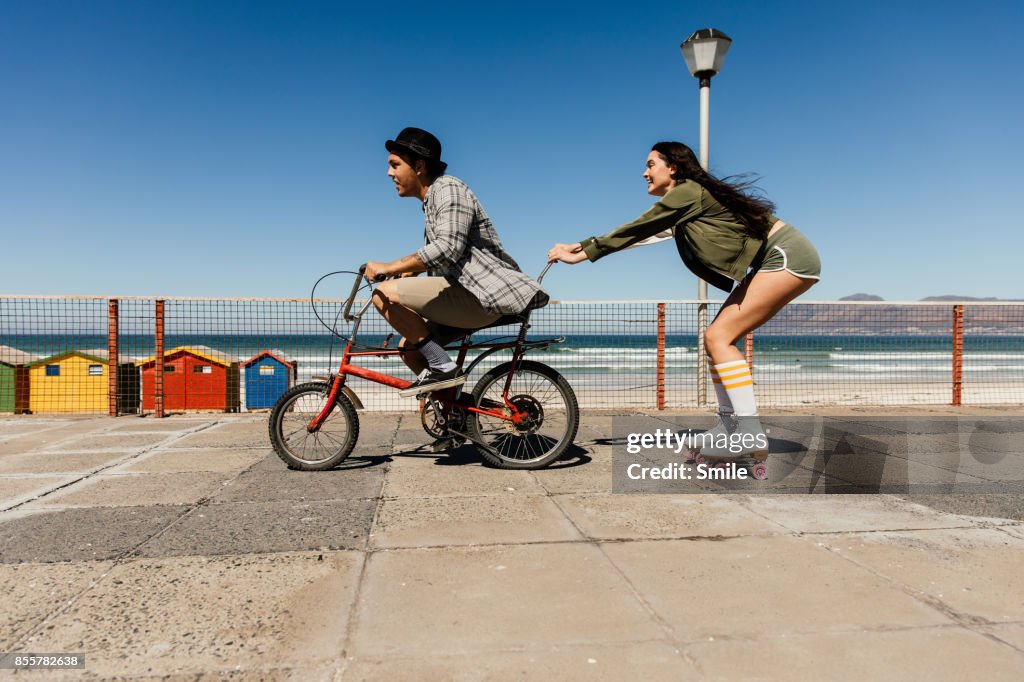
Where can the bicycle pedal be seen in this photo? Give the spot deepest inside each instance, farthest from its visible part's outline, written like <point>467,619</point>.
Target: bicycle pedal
<point>443,444</point>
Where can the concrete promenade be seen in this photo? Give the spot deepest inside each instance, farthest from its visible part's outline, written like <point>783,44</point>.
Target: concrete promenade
<point>184,549</point>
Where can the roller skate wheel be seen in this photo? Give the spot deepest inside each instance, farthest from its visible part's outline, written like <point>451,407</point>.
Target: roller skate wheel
<point>760,472</point>
<point>722,465</point>
<point>699,458</point>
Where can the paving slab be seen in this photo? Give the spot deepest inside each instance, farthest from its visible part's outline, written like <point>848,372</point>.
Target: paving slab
<point>430,602</point>
<point>182,461</point>
<point>210,614</point>
<point>923,654</point>
<point>974,573</point>
<point>591,474</point>
<point>594,433</point>
<point>1016,530</point>
<point>359,459</point>
<point>971,467</point>
<point>128,490</point>
<point>296,486</point>
<point>884,473</point>
<point>18,426</point>
<point>34,591</point>
<point>993,507</point>
<point>1011,633</point>
<point>598,662</point>
<point>152,424</point>
<point>242,434</point>
<point>487,519</point>
<point>108,441</point>
<point>381,426</point>
<point>82,534</point>
<point>265,527</point>
<point>848,513</point>
<point>15,490</point>
<point>426,477</point>
<point>34,441</point>
<point>743,587</point>
<point>46,463</point>
<point>610,517</point>
<point>404,437</point>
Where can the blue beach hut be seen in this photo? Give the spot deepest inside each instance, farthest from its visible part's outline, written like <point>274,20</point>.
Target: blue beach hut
<point>267,376</point>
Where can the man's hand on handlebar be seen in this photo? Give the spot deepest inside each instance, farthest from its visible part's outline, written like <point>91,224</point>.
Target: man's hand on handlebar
<point>410,266</point>
<point>376,272</point>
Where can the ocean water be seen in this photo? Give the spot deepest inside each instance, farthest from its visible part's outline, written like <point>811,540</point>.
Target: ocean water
<point>626,360</point>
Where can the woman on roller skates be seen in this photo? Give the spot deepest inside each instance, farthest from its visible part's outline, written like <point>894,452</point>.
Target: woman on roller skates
<point>725,235</point>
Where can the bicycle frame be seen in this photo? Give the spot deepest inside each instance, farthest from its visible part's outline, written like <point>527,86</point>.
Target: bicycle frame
<point>506,412</point>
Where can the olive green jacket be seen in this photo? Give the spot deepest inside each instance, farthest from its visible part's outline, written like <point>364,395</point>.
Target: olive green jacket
<point>713,244</point>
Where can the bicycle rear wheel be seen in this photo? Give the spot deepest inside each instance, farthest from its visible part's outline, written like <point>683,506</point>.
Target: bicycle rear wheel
<point>548,400</point>
<point>324,448</point>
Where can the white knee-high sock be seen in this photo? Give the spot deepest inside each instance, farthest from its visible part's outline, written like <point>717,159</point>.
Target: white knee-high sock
<point>739,385</point>
<point>724,404</point>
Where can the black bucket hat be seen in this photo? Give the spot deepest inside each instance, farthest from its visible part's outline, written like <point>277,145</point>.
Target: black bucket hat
<point>420,143</point>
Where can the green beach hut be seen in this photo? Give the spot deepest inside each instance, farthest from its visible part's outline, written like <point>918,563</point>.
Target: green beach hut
<point>14,379</point>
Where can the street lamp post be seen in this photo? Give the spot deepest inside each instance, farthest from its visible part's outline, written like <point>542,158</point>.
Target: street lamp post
<point>704,52</point>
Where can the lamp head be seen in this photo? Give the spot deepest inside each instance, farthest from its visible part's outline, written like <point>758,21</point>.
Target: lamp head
<point>704,52</point>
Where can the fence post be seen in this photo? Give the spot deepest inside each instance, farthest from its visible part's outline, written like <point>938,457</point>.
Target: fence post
<point>702,356</point>
<point>112,356</point>
<point>958,353</point>
<point>158,369</point>
<point>661,356</point>
<point>748,350</point>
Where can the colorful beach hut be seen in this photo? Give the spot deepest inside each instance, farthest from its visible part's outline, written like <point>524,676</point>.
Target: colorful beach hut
<point>14,379</point>
<point>267,376</point>
<point>195,378</point>
<point>72,381</point>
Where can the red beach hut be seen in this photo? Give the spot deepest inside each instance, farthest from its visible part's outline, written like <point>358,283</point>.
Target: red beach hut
<point>195,378</point>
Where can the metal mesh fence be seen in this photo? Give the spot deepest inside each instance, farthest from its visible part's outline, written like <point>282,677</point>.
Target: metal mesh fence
<point>81,354</point>
<point>846,353</point>
<point>992,366</point>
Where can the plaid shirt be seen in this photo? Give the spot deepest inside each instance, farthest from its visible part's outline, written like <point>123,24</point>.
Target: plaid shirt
<point>460,243</point>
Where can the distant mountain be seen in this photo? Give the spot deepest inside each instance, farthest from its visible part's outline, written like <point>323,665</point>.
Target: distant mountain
<point>885,318</point>
<point>966,298</point>
<point>947,297</point>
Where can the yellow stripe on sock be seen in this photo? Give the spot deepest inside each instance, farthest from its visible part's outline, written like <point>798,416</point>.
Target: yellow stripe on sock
<point>748,382</point>
<point>738,372</point>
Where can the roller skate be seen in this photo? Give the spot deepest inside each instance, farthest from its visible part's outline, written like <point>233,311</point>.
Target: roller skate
<point>724,425</point>
<point>749,449</point>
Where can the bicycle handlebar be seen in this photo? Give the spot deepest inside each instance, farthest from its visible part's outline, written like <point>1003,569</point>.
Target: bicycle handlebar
<point>352,296</point>
<point>543,272</point>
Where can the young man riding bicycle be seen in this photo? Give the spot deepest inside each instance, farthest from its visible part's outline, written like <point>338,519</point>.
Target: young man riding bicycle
<point>471,280</point>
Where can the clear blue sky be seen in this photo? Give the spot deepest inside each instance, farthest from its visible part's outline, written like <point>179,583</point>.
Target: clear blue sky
<point>236,148</point>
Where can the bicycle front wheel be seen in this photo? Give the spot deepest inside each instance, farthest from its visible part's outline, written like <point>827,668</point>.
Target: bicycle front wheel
<point>317,450</point>
<point>552,416</point>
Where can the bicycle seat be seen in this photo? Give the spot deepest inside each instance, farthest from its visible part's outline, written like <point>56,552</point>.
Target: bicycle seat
<point>453,333</point>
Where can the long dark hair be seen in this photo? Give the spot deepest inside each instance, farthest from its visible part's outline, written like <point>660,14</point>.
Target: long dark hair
<point>733,192</point>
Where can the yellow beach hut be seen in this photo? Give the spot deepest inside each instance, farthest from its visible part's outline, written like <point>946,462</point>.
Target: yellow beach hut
<point>72,381</point>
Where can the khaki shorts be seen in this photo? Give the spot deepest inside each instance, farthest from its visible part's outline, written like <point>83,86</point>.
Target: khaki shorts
<point>789,250</point>
<point>443,302</point>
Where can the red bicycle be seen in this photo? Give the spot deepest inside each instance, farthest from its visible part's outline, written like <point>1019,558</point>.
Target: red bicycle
<point>521,414</point>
